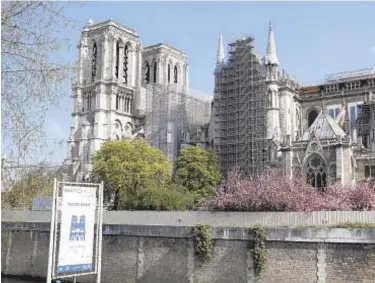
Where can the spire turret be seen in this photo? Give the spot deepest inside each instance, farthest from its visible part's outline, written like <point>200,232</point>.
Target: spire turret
<point>220,50</point>
<point>271,57</point>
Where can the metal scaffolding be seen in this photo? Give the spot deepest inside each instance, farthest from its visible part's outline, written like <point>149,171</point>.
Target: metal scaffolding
<point>170,115</point>
<point>240,111</point>
<point>365,73</point>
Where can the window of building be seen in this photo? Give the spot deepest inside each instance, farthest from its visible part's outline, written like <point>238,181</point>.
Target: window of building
<point>175,74</point>
<point>117,102</point>
<point>353,85</point>
<point>169,73</point>
<point>334,112</point>
<point>365,140</point>
<point>354,112</point>
<point>331,88</point>
<point>155,71</point>
<point>369,171</point>
<point>311,117</point>
<point>128,105</point>
<point>316,172</point>
<point>94,59</point>
<point>89,102</point>
<point>117,59</point>
<point>125,65</point>
<point>147,77</point>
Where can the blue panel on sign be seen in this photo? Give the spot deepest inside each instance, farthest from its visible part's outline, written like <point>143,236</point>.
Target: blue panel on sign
<point>77,228</point>
<point>42,203</point>
<point>74,268</point>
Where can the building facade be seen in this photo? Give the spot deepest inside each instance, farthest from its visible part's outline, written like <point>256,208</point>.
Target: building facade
<point>263,118</point>
<point>259,116</point>
<point>124,91</point>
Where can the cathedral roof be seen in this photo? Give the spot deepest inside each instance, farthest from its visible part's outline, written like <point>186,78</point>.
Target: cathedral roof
<point>163,46</point>
<point>324,127</point>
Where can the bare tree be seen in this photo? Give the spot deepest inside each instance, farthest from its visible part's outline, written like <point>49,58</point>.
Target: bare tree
<point>31,80</point>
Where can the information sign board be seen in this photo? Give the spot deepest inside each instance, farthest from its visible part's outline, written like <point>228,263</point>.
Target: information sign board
<point>76,243</point>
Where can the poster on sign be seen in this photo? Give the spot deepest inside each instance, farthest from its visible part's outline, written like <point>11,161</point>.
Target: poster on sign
<point>76,242</point>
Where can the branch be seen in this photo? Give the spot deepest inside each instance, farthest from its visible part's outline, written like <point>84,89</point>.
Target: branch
<point>39,70</point>
<point>19,12</point>
<point>25,43</point>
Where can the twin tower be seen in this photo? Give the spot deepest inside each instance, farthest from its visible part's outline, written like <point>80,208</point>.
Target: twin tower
<point>125,91</point>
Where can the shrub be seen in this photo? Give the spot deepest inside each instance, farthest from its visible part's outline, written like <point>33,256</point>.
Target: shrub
<point>273,191</point>
<point>160,198</point>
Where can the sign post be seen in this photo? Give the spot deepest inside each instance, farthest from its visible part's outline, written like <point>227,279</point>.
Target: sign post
<point>51,233</point>
<point>76,231</point>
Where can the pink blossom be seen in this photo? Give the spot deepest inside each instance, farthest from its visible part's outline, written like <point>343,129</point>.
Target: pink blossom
<point>273,191</point>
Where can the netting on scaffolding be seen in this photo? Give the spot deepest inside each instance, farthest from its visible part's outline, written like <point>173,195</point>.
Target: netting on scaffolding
<point>240,115</point>
<point>170,114</point>
<point>198,114</point>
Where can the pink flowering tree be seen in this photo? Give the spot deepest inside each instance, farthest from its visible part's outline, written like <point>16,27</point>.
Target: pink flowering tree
<point>273,191</point>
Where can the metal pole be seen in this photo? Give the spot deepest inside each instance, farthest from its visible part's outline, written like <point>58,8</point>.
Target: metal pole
<point>54,254</point>
<point>51,233</point>
<point>75,279</point>
<point>100,223</point>
<point>97,217</point>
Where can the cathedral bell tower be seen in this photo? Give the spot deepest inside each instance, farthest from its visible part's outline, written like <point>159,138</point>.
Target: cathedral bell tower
<point>272,89</point>
<point>104,93</point>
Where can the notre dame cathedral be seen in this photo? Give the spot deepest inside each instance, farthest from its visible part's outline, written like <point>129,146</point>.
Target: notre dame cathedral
<point>257,117</point>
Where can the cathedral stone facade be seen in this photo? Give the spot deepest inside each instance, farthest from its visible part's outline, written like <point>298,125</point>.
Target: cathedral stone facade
<point>259,117</point>
<point>126,91</point>
<point>308,130</point>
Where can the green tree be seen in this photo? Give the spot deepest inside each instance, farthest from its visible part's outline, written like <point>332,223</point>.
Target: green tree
<point>198,170</point>
<point>36,182</point>
<point>136,176</point>
<point>166,197</point>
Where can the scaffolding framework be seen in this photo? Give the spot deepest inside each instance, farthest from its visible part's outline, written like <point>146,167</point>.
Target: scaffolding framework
<point>365,73</point>
<point>240,110</point>
<point>170,114</point>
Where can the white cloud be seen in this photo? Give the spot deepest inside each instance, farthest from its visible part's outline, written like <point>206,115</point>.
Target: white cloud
<point>372,49</point>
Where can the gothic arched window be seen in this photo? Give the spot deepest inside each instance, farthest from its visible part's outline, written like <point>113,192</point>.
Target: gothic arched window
<point>117,102</point>
<point>117,59</point>
<point>89,101</point>
<point>316,172</point>
<point>125,64</point>
<point>169,72</point>
<point>129,105</point>
<point>311,117</point>
<point>269,99</point>
<point>175,74</point>
<point>147,77</point>
<point>155,71</point>
<point>94,55</point>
